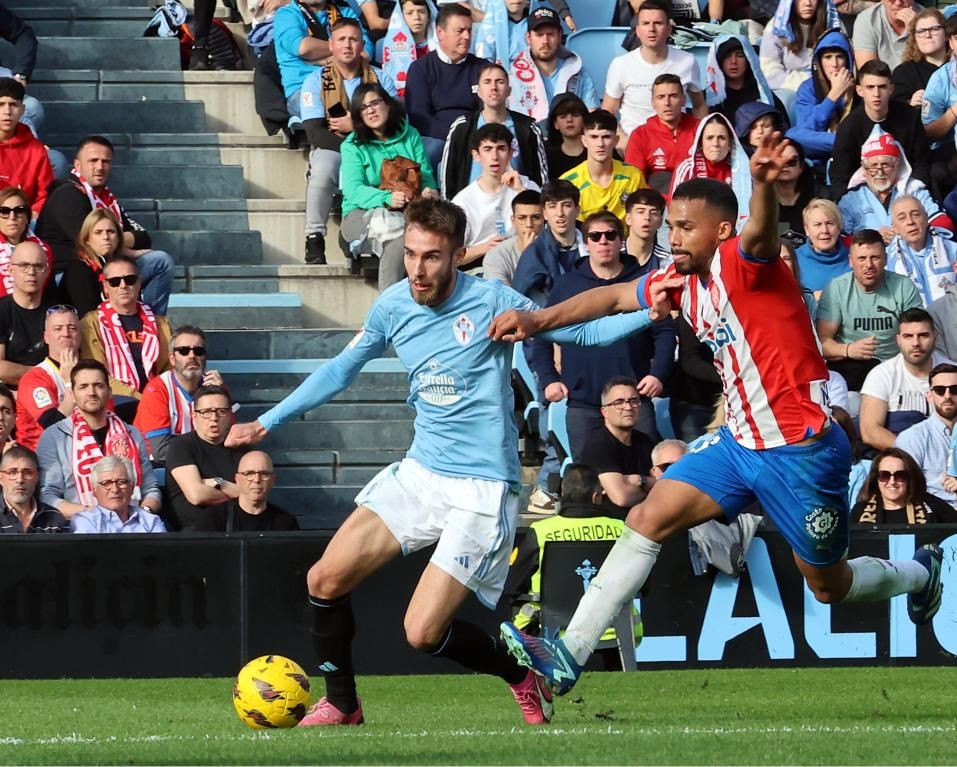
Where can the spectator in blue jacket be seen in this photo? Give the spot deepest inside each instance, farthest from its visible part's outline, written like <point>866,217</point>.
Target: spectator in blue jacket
<point>557,249</point>
<point>301,31</point>
<point>826,98</point>
<point>647,356</point>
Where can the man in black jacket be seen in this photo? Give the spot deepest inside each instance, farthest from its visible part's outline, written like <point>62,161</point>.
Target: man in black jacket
<point>72,200</point>
<point>458,169</point>
<point>875,88</point>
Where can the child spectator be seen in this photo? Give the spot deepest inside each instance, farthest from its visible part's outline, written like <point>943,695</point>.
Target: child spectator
<point>410,36</point>
<point>755,120</point>
<point>566,123</point>
<point>486,200</point>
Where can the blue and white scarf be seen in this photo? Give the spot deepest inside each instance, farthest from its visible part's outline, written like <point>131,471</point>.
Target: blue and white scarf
<point>398,48</point>
<point>497,35</point>
<point>781,22</point>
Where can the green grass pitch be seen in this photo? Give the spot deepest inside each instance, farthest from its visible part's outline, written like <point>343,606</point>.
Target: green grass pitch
<point>722,716</point>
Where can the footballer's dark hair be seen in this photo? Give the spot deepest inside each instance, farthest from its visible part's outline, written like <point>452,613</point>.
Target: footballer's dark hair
<point>716,194</point>
<point>440,217</point>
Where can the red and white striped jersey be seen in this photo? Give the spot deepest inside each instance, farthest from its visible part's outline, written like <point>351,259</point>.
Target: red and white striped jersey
<point>752,317</point>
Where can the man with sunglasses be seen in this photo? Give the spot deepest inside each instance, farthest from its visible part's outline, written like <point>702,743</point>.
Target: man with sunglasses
<point>23,314</point>
<point>45,392</point>
<point>72,200</point>
<point>647,356</point>
<point>126,336</point>
<point>200,468</point>
<point>166,408</point>
<point>929,442</point>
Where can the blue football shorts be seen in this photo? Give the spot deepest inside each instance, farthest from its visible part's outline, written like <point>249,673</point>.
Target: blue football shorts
<point>803,488</point>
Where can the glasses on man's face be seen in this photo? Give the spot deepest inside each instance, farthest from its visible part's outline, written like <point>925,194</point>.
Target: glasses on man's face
<point>119,484</point>
<point>184,351</point>
<point>883,167</point>
<point>929,31</point>
<point>621,404</point>
<point>29,267</point>
<point>14,473</point>
<point>610,234</point>
<point>887,476</point>
<point>126,279</point>
<point>213,412</point>
<point>371,105</point>
<point>262,476</point>
<point>16,210</point>
<point>940,391</point>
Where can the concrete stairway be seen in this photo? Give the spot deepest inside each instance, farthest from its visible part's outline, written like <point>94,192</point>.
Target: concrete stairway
<point>194,166</point>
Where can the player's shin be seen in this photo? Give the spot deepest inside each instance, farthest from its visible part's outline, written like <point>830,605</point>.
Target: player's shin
<point>476,649</point>
<point>621,577</point>
<point>333,627</point>
<point>874,580</point>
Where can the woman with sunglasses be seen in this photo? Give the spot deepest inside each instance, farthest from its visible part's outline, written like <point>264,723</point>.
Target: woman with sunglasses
<point>14,229</point>
<point>895,493</point>
<point>381,133</point>
<point>99,237</point>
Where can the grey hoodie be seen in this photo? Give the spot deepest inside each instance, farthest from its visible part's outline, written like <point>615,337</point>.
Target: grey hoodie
<point>944,312</point>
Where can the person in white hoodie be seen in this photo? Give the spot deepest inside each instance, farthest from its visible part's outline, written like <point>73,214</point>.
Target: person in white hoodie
<point>787,46</point>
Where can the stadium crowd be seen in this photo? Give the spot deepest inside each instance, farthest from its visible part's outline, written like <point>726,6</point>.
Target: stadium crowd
<point>565,188</point>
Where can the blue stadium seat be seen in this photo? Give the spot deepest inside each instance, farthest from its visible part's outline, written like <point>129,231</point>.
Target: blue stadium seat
<point>592,13</point>
<point>789,99</point>
<point>520,365</point>
<point>558,431</point>
<point>597,47</point>
<point>379,50</point>
<point>700,51</point>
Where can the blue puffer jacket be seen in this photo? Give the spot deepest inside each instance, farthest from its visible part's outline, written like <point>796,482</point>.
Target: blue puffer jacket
<point>814,110</point>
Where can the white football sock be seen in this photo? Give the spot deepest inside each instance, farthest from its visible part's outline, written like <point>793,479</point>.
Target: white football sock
<point>621,577</point>
<point>875,580</point>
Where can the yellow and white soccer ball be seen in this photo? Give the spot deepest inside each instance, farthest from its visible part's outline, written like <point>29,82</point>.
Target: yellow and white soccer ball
<point>271,692</point>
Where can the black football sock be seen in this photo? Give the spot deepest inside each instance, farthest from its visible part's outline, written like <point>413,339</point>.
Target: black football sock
<point>478,650</point>
<point>333,627</point>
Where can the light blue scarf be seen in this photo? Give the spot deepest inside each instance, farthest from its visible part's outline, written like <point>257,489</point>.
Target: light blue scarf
<point>497,36</point>
<point>398,47</point>
<point>781,22</point>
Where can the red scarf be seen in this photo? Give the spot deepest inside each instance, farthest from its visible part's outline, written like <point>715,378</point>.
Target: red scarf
<point>119,358</point>
<point>704,168</point>
<point>86,452</point>
<point>6,254</point>
<point>100,198</point>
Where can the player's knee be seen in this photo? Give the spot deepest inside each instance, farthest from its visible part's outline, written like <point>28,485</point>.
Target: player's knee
<point>422,636</point>
<point>324,584</point>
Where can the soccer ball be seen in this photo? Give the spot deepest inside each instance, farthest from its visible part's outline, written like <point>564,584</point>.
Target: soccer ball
<point>271,692</point>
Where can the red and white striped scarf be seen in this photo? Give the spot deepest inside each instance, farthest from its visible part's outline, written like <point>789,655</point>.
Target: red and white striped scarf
<point>119,358</point>
<point>6,257</point>
<point>100,198</point>
<point>86,452</point>
<point>180,405</point>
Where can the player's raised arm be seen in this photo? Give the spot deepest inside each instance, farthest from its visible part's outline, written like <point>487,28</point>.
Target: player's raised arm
<point>759,237</point>
<point>321,386</point>
<point>515,325</point>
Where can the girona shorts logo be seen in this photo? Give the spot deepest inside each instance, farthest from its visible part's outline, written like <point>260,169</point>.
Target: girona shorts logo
<point>821,523</point>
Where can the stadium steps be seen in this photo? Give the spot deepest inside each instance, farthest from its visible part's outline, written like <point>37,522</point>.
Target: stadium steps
<point>193,165</point>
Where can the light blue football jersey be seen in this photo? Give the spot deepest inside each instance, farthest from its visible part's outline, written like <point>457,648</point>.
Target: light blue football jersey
<point>459,379</point>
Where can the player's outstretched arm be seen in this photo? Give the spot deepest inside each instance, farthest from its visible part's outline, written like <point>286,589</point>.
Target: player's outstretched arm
<point>759,237</point>
<point>242,434</point>
<point>514,325</point>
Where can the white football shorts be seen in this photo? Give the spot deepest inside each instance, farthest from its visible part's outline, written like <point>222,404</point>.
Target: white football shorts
<point>473,521</point>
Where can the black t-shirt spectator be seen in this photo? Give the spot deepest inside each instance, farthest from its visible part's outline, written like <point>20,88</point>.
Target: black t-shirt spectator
<point>211,461</point>
<point>607,455</point>
<point>21,332</point>
<point>133,328</point>
<point>229,517</point>
<point>931,510</point>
